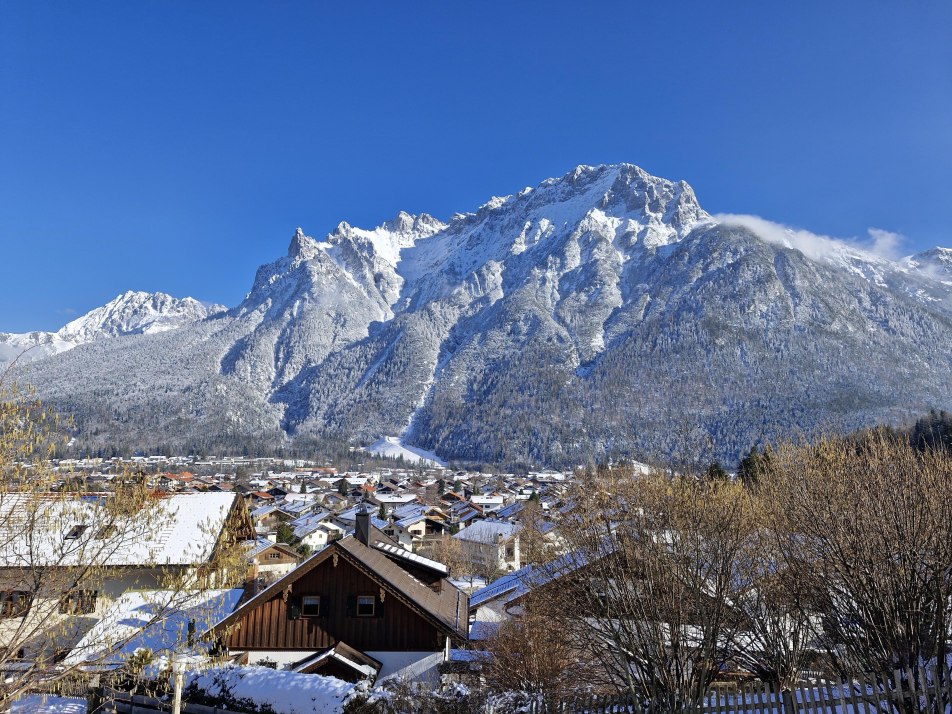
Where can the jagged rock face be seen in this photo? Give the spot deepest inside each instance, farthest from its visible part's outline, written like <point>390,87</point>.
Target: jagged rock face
<point>132,313</point>
<point>600,314</point>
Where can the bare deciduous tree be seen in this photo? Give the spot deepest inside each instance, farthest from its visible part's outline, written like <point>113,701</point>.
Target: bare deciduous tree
<point>532,654</point>
<point>650,580</point>
<point>866,525</point>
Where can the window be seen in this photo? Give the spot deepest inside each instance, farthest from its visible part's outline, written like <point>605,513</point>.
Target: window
<point>274,556</point>
<point>78,602</point>
<point>14,603</point>
<point>366,605</point>
<point>311,606</point>
<point>75,532</point>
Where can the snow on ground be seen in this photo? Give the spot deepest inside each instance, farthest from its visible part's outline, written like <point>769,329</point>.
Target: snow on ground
<point>284,691</point>
<point>48,704</point>
<point>392,448</point>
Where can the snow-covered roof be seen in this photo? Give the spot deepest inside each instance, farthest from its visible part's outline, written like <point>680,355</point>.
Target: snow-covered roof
<point>407,555</point>
<point>517,583</point>
<point>157,620</point>
<point>395,497</point>
<point>285,692</point>
<point>181,529</point>
<point>488,531</point>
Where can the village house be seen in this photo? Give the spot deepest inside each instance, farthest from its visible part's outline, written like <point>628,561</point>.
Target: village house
<point>360,607</point>
<point>268,561</point>
<point>491,545</point>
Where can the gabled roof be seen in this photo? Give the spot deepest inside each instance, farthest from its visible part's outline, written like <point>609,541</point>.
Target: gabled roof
<point>254,548</point>
<point>409,520</point>
<point>446,609</point>
<point>510,510</point>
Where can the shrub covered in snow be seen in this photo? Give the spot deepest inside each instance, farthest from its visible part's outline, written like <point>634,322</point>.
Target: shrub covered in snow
<point>396,697</point>
<point>267,691</point>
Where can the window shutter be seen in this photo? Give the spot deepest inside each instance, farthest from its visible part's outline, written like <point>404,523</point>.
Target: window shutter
<point>378,607</point>
<point>325,606</point>
<point>294,608</point>
<point>351,606</point>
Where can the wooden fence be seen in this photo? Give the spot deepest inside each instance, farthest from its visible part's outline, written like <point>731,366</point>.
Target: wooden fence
<point>900,693</point>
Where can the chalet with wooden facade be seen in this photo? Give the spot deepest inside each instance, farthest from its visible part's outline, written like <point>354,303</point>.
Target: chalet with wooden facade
<point>360,607</point>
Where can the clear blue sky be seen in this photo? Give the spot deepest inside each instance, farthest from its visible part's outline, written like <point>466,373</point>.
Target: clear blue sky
<point>175,146</point>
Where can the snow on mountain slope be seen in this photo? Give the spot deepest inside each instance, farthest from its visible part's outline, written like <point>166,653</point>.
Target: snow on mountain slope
<point>935,263</point>
<point>598,315</point>
<point>390,447</point>
<point>131,313</point>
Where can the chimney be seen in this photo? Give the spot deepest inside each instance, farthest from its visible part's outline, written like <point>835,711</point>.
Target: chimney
<point>362,530</point>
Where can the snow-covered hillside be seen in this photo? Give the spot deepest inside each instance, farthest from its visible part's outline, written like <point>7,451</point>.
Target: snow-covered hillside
<point>390,447</point>
<point>598,315</point>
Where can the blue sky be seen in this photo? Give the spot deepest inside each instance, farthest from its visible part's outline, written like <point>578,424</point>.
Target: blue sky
<point>175,146</point>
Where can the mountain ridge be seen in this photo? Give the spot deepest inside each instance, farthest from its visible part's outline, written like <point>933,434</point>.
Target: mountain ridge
<point>600,314</point>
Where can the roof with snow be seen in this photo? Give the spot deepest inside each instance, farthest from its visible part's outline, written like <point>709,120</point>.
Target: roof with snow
<point>157,620</point>
<point>181,529</point>
<point>410,557</point>
<point>517,583</point>
<point>488,531</point>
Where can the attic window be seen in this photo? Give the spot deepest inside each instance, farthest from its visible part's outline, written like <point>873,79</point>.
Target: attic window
<point>76,531</point>
<point>311,606</point>
<point>366,605</point>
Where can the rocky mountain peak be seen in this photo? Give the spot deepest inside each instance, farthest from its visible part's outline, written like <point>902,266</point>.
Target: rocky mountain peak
<point>302,246</point>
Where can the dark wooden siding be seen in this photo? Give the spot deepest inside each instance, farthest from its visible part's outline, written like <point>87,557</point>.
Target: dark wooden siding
<point>399,629</point>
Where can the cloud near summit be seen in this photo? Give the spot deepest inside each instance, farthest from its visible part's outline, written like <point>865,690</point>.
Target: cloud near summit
<point>880,243</point>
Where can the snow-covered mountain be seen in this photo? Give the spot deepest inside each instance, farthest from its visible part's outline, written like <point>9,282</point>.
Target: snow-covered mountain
<point>132,313</point>
<point>603,313</point>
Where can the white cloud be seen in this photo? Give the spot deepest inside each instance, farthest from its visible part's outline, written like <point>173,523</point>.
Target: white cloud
<point>880,243</point>
<point>886,243</point>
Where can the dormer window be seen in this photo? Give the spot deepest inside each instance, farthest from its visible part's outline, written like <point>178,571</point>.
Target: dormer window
<point>75,532</point>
